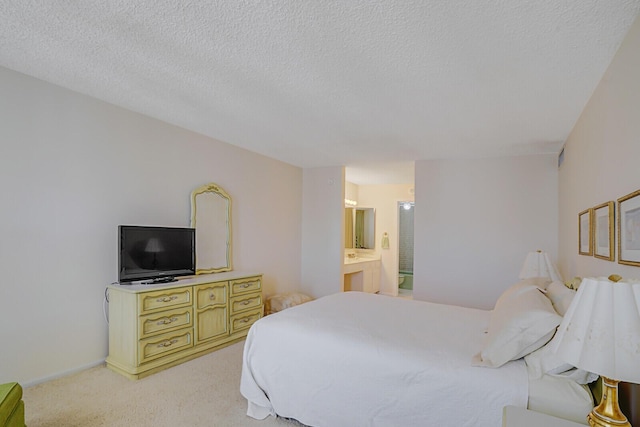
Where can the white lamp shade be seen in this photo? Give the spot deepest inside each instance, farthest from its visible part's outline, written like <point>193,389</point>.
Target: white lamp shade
<point>538,264</point>
<point>600,332</point>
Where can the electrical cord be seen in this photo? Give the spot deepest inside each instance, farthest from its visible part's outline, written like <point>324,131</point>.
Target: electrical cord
<point>105,302</point>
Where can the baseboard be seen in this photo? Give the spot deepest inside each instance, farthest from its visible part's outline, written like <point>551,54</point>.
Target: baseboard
<point>62,374</point>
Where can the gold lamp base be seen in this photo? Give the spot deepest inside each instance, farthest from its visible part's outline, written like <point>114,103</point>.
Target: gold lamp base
<point>608,413</point>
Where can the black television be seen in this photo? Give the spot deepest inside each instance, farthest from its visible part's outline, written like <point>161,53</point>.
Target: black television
<point>155,254</point>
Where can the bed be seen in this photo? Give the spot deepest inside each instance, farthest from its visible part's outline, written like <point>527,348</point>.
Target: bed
<point>358,359</point>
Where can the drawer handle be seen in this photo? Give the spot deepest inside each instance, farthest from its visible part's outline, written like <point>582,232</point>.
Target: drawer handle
<point>245,319</point>
<point>167,299</point>
<point>168,343</point>
<point>212,296</point>
<point>167,321</point>
<point>247,302</point>
<point>245,286</point>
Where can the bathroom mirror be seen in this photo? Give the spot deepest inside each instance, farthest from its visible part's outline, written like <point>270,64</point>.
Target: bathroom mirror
<point>359,228</point>
<point>211,217</point>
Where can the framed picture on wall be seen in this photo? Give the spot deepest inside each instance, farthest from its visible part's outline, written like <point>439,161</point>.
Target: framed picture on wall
<point>603,235</point>
<point>629,229</point>
<point>585,235</point>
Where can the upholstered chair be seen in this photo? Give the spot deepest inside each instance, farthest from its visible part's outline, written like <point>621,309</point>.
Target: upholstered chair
<point>11,405</point>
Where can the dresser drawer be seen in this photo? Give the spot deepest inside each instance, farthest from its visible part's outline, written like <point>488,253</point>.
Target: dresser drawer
<point>165,321</point>
<point>211,294</point>
<point>244,320</point>
<point>242,286</point>
<point>152,348</point>
<point>153,301</point>
<point>246,302</point>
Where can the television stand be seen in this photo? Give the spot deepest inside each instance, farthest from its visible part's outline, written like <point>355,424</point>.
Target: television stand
<point>167,279</point>
<point>153,327</point>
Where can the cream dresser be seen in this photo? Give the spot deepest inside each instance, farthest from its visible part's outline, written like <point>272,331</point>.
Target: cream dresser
<point>153,327</point>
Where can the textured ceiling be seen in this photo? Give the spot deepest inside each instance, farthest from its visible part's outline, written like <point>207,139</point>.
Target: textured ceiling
<point>320,83</point>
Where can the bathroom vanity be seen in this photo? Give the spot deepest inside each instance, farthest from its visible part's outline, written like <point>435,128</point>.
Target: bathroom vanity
<point>362,273</point>
<point>361,267</point>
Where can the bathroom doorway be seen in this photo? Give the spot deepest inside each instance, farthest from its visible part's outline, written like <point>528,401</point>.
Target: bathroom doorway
<point>405,249</point>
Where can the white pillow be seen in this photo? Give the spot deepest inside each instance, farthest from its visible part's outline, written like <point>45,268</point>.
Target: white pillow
<point>545,361</point>
<point>560,296</point>
<point>523,286</point>
<point>522,321</point>
<point>540,282</point>
<point>560,398</point>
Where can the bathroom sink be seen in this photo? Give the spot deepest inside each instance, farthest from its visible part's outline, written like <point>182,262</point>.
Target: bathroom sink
<point>353,260</point>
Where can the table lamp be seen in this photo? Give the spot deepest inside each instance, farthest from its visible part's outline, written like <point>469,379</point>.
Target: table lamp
<point>538,264</point>
<point>600,333</point>
<point>154,246</point>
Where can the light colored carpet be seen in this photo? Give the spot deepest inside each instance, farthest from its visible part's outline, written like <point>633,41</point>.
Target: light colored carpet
<point>202,392</point>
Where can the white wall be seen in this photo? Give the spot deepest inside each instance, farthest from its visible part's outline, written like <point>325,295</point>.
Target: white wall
<point>602,158</point>
<point>475,222</point>
<point>385,198</point>
<point>323,231</point>
<point>72,168</point>
<point>350,191</point>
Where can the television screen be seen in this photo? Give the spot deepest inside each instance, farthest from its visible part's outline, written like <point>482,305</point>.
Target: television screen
<point>155,253</point>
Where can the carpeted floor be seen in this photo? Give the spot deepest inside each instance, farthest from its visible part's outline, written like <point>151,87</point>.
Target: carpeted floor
<point>202,392</point>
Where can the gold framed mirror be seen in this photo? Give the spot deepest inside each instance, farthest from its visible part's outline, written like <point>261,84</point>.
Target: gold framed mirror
<point>211,217</point>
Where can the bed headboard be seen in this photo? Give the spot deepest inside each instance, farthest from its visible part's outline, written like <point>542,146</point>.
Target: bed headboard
<point>629,399</point>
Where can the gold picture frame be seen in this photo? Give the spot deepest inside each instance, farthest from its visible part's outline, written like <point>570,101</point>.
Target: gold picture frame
<point>629,229</point>
<point>603,231</point>
<point>585,232</point>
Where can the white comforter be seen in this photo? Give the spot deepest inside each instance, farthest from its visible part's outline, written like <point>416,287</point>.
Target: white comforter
<point>356,359</point>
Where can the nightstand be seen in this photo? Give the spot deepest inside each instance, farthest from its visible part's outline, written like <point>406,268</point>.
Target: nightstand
<point>513,416</point>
